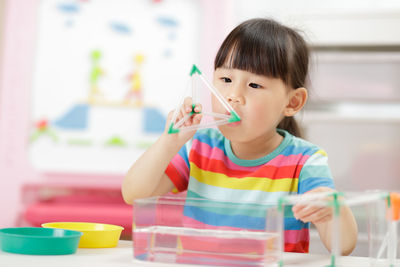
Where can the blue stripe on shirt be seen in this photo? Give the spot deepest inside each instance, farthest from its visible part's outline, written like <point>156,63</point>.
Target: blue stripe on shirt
<point>296,150</point>
<point>314,182</point>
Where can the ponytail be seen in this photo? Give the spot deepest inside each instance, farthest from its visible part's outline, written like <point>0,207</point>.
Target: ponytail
<point>289,124</point>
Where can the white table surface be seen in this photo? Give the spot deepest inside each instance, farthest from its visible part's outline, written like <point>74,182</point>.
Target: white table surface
<point>122,255</point>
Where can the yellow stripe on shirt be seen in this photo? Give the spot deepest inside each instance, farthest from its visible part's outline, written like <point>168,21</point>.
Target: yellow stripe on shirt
<point>322,152</point>
<point>248,183</point>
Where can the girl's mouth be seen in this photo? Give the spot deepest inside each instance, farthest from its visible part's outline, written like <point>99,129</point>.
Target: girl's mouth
<point>234,124</point>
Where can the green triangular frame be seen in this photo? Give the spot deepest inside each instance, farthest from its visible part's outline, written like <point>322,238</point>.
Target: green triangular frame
<point>175,127</point>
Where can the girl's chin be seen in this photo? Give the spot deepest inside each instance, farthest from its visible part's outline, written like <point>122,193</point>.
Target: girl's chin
<point>230,131</point>
<point>234,137</point>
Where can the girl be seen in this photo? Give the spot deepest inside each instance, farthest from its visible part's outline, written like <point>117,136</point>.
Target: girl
<point>261,70</point>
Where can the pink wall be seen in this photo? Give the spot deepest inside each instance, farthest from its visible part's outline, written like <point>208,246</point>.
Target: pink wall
<point>15,82</point>
<point>15,85</point>
<point>218,20</point>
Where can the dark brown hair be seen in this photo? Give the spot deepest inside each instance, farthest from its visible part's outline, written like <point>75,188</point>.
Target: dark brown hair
<point>266,47</point>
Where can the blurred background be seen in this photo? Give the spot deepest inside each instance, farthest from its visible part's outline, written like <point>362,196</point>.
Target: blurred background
<point>85,86</point>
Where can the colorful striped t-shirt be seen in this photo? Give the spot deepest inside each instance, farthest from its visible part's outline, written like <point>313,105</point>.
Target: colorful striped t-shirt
<point>207,168</point>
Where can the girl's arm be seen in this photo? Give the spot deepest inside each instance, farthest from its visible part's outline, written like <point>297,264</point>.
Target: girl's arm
<point>348,231</point>
<point>147,175</point>
<point>322,219</point>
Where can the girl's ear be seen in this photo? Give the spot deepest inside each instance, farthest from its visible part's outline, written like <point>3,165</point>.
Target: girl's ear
<point>297,99</point>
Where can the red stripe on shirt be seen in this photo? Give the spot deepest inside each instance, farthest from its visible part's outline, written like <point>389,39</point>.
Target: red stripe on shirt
<point>177,179</point>
<point>265,171</point>
<point>301,247</point>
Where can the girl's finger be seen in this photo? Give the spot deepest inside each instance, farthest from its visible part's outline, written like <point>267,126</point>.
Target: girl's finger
<point>198,108</point>
<point>298,207</point>
<point>317,215</point>
<point>197,118</point>
<point>188,122</point>
<point>187,104</point>
<point>306,211</point>
<point>182,114</point>
<point>179,117</point>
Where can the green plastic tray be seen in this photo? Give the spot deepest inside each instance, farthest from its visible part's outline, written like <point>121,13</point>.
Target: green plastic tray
<point>39,241</point>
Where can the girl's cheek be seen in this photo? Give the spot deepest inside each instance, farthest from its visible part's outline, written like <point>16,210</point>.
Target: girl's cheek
<point>260,114</point>
<point>259,111</point>
<point>216,105</point>
<point>223,90</point>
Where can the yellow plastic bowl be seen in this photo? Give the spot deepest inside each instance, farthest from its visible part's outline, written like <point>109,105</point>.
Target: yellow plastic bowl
<point>95,235</point>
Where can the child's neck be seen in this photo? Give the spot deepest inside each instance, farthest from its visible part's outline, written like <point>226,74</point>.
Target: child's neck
<point>258,147</point>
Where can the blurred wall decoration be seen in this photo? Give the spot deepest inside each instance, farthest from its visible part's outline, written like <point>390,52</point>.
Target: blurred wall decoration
<point>104,79</point>
<point>85,88</point>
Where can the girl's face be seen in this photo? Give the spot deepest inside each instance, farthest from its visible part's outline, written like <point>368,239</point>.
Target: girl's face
<point>259,101</point>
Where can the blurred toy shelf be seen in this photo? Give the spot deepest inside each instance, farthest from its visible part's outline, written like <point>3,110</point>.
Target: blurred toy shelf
<point>354,83</point>
<point>351,112</point>
<point>332,22</point>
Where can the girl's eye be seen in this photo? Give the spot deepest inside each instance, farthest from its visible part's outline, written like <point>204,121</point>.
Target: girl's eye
<point>226,80</point>
<point>254,85</point>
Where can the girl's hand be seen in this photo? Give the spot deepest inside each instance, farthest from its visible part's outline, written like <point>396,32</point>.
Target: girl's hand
<point>186,109</point>
<point>313,213</point>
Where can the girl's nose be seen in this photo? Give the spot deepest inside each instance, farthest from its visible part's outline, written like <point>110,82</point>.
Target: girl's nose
<point>236,98</point>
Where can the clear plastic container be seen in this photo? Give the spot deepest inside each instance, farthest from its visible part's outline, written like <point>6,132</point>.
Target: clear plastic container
<point>175,229</point>
<point>371,210</point>
<point>384,248</point>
